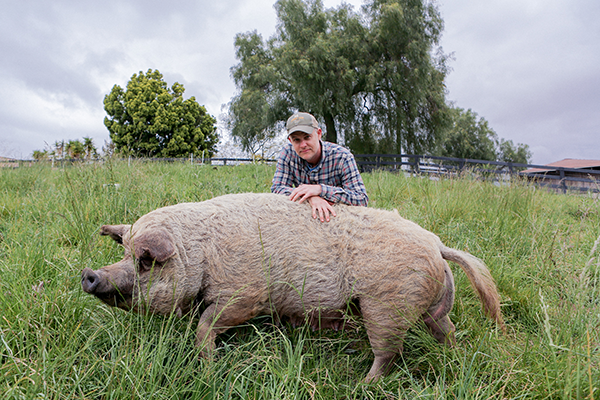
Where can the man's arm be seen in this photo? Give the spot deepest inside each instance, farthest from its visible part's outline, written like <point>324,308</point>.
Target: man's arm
<point>321,208</point>
<point>283,178</point>
<point>353,191</point>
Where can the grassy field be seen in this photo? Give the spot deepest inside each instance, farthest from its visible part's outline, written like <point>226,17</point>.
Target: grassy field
<point>57,342</point>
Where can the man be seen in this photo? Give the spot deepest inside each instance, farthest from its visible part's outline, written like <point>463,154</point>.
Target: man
<point>321,173</point>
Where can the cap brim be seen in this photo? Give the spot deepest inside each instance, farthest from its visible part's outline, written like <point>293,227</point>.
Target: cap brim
<point>301,128</point>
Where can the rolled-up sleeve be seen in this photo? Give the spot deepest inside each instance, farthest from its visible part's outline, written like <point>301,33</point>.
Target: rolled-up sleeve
<point>352,190</point>
<point>283,182</point>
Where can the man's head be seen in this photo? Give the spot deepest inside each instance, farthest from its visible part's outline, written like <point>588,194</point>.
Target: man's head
<point>305,135</point>
<point>301,122</point>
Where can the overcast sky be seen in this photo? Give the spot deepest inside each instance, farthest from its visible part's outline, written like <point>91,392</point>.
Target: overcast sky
<point>531,68</point>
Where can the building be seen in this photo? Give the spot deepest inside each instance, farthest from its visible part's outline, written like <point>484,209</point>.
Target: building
<point>567,174</point>
<point>6,162</point>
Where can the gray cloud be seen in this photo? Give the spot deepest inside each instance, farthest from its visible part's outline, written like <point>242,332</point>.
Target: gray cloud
<point>528,67</point>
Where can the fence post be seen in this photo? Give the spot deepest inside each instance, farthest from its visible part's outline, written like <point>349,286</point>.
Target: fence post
<point>563,181</point>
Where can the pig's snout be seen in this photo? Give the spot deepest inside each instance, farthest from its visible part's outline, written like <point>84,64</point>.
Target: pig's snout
<point>113,287</point>
<point>89,280</point>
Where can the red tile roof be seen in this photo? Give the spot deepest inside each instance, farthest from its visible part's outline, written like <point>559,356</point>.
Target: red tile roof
<point>566,163</point>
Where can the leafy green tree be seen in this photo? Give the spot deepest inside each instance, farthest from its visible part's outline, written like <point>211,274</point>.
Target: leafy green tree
<point>40,155</point>
<point>149,119</point>
<point>254,115</point>
<point>470,137</point>
<point>369,75</point>
<point>405,93</point>
<point>509,152</point>
<point>74,149</point>
<point>89,149</point>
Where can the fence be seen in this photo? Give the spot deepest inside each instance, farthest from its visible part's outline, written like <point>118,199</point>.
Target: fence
<point>555,178</point>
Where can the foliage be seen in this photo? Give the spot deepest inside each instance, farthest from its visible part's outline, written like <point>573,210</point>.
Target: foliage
<point>254,115</point>
<point>56,342</point>
<point>149,119</point>
<point>470,137</point>
<point>73,149</point>
<point>40,155</point>
<point>370,75</point>
<point>508,152</point>
<point>89,149</point>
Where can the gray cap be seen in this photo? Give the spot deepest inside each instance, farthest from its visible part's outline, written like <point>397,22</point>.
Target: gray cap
<point>301,122</point>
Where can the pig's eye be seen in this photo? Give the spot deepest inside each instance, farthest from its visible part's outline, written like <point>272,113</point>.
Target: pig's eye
<point>146,263</point>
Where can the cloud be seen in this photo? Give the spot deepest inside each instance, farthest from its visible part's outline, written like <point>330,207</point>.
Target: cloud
<point>529,67</point>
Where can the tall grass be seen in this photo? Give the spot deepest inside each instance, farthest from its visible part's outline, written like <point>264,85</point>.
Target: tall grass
<point>58,343</point>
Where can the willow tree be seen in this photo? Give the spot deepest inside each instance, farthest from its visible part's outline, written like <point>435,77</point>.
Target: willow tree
<point>370,75</point>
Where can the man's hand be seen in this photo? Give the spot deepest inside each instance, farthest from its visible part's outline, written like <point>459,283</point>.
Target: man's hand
<point>303,192</point>
<point>322,207</point>
<point>311,194</point>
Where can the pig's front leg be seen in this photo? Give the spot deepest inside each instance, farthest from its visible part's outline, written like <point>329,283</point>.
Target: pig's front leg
<point>216,319</point>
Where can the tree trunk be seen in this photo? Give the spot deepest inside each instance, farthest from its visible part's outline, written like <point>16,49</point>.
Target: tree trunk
<point>331,134</point>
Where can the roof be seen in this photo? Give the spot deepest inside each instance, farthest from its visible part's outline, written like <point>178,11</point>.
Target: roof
<point>572,163</point>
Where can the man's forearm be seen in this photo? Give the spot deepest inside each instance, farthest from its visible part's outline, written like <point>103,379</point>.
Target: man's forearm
<point>351,197</point>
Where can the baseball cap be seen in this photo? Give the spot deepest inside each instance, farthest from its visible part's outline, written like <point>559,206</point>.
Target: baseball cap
<point>301,122</point>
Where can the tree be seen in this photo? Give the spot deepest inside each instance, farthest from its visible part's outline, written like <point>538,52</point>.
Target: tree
<point>40,155</point>
<point>71,149</point>
<point>149,119</point>
<point>471,137</point>
<point>508,152</point>
<point>74,149</point>
<point>59,149</point>
<point>369,75</point>
<point>405,96</point>
<point>254,115</point>
<point>89,149</point>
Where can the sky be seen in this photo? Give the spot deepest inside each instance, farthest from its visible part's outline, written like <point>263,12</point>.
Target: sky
<point>531,68</point>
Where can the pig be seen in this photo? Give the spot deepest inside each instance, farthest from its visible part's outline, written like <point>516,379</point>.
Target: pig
<point>239,256</point>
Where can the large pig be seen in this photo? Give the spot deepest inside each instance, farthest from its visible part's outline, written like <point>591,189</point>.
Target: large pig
<point>243,255</point>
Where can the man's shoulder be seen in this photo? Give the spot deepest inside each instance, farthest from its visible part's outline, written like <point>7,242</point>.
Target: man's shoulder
<point>336,149</point>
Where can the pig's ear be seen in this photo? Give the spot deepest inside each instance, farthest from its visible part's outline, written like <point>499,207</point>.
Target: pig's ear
<point>115,231</point>
<point>153,248</point>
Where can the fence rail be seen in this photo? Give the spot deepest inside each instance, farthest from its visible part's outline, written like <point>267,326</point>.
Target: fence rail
<point>556,178</point>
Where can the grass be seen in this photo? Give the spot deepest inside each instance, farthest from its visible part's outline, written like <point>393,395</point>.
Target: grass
<point>58,343</point>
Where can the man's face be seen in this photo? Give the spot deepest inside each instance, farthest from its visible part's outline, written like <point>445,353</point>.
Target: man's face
<point>307,146</point>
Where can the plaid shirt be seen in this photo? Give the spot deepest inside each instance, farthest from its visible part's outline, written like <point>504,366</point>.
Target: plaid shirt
<point>337,173</point>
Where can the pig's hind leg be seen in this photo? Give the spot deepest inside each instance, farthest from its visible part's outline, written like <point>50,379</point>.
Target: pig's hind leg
<point>386,327</point>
